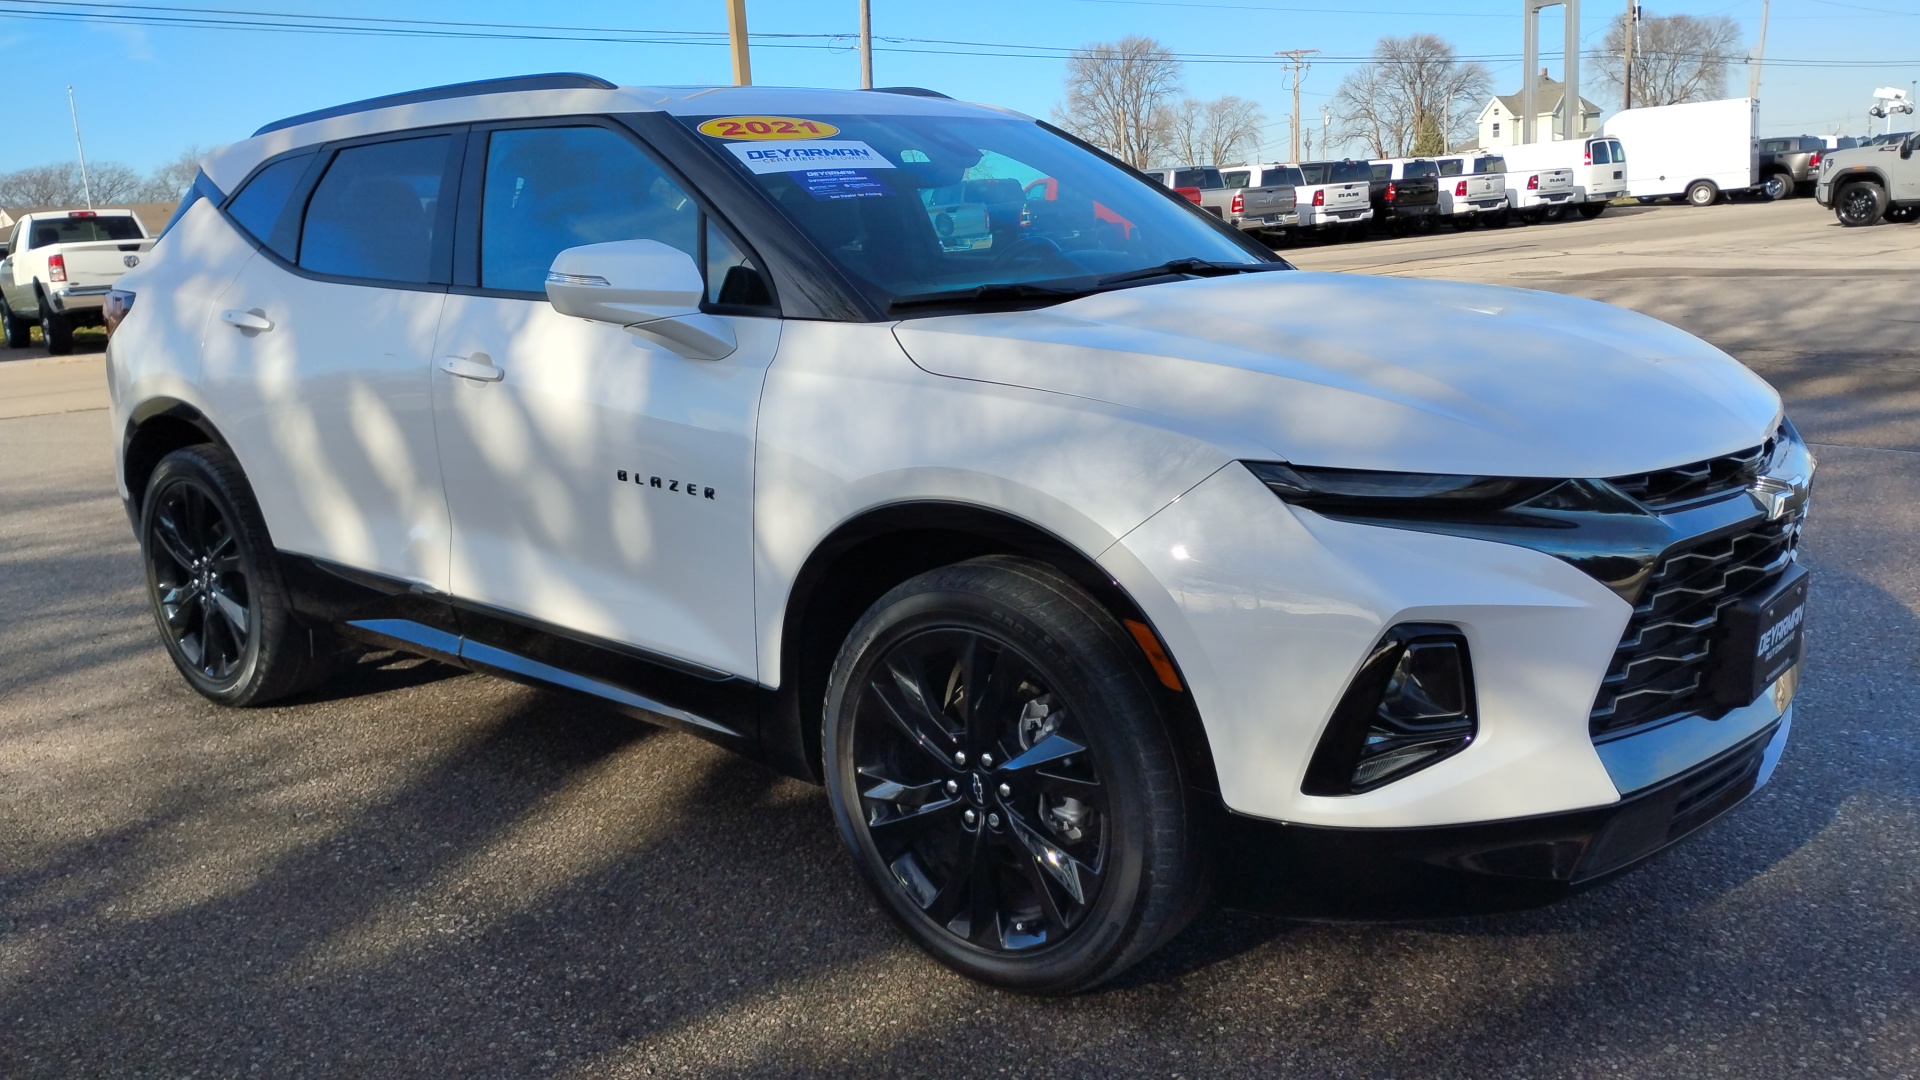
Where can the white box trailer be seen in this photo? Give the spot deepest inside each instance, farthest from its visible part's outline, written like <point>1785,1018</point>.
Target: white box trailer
<point>1701,150</point>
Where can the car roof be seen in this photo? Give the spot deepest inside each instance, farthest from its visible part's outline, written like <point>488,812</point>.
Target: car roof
<point>562,95</point>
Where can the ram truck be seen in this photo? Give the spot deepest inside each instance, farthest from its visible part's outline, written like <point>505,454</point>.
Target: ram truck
<point>1473,188</point>
<point>1335,195</point>
<point>1535,194</point>
<point>1264,200</point>
<point>59,268</point>
<point>1253,209</point>
<point>1405,194</point>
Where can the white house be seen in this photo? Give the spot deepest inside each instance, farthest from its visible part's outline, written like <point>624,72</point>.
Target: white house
<point>1500,120</point>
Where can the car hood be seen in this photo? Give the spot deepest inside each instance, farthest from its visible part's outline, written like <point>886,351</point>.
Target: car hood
<point>1376,373</point>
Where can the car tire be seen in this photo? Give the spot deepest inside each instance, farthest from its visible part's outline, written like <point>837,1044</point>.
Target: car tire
<point>1499,219</point>
<point>214,583</point>
<point>1902,213</point>
<point>15,331</point>
<point>55,332</point>
<point>1777,186</point>
<point>1860,203</point>
<point>1702,193</point>
<point>1592,210</point>
<point>1034,834</point>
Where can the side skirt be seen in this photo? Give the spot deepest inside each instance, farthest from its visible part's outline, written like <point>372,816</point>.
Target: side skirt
<point>375,610</point>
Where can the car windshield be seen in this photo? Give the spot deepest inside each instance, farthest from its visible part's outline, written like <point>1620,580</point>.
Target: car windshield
<point>79,230</point>
<point>909,206</point>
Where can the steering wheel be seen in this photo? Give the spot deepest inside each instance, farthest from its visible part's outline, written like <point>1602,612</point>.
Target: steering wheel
<point>1030,249</point>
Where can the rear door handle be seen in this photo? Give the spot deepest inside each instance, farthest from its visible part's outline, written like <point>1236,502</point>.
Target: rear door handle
<point>246,320</point>
<point>478,367</point>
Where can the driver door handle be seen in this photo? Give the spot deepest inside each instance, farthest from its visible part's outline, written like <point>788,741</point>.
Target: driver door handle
<point>478,367</point>
<point>246,320</point>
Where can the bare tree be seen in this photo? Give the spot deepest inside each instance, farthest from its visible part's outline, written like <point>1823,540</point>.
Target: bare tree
<point>1118,97</point>
<point>1233,128</point>
<point>1676,58</point>
<point>1187,131</point>
<point>58,184</point>
<point>172,179</point>
<point>1413,93</point>
<point>112,182</point>
<point>41,185</point>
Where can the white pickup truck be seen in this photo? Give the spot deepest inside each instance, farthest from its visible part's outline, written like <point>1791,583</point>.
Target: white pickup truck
<point>1335,194</point>
<point>1473,188</point>
<point>59,268</point>
<point>1535,194</point>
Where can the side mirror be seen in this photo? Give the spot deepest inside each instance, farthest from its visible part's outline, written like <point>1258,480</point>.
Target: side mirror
<point>650,289</point>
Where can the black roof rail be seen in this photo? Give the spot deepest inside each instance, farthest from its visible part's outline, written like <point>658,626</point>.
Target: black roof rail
<point>910,91</point>
<point>560,80</point>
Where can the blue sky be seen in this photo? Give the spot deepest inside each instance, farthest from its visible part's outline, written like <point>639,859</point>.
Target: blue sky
<point>147,91</point>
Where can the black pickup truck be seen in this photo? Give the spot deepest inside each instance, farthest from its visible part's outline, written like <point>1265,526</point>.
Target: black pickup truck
<point>1405,194</point>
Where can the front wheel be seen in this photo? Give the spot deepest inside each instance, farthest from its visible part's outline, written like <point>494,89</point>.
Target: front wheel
<point>1592,210</point>
<point>17,332</point>
<point>214,583</point>
<point>998,765</point>
<point>1702,193</point>
<point>1860,203</point>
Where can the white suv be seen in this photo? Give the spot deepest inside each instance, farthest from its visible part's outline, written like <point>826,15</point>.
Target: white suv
<point>1090,564</point>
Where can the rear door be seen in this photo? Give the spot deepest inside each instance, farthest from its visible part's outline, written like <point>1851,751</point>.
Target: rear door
<point>599,482</point>
<point>318,356</point>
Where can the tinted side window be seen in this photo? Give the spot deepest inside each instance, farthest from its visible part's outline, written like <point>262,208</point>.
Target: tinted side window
<point>373,213</point>
<point>1206,179</point>
<point>549,189</point>
<point>1383,172</point>
<point>259,205</point>
<point>1281,178</point>
<point>1350,172</point>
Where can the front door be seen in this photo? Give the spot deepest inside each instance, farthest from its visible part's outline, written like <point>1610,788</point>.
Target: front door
<point>317,362</point>
<point>600,484</point>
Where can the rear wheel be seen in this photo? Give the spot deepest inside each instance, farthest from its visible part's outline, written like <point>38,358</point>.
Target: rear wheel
<point>1702,193</point>
<point>55,331</point>
<point>17,332</point>
<point>1903,213</point>
<point>1592,210</point>
<point>999,767</point>
<point>214,583</point>
<point>1777,186</point>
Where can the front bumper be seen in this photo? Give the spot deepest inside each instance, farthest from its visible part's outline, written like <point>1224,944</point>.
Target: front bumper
<point>1429,872</point>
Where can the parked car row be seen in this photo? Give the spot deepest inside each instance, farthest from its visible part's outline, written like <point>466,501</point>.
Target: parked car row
<point>1347,199</point>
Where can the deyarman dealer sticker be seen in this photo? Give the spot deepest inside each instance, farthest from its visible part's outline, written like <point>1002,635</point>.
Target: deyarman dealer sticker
<point>797,155</point>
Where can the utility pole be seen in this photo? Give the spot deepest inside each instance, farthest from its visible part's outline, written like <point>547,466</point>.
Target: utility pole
<point>866,44</point>
<point>1297,60</point>
<point>737,35</point>
<point>86,187</point>
<point>1759,56</point>
<point>1626,69</point>
<point>1326,130</point>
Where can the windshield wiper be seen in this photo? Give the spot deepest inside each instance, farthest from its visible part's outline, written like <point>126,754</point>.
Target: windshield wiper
<point>1192,267</point>
<point>996,291</point>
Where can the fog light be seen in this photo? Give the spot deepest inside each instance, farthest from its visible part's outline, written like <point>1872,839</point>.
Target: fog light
<point>1410,706</point>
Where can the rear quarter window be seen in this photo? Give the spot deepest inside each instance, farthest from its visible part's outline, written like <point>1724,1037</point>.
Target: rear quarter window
<point>262,202</point>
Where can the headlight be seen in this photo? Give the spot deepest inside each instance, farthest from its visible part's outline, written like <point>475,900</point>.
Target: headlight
<point>1395,493</point>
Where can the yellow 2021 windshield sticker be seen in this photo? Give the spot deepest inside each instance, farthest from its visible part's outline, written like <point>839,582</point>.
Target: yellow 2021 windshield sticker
<point>767,127</point>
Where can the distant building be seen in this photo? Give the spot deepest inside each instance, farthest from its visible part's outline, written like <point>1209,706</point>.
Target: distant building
<point>1500,120</point>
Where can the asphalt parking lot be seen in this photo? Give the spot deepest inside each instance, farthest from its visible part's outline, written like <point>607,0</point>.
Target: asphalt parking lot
<point>422,872</point>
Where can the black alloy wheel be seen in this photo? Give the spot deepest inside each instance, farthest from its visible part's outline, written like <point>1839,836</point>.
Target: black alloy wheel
<point>1861,203</point>
<point>1002,774</point>
<point>214,584</point>
<point>979,790</point>
<point>200,583</point>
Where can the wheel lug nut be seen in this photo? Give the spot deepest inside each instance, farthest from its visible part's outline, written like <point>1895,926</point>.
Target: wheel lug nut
<point>953,787</point>
<point>1005,791</point>
<point>986,761</point>
<point>960,757</point>
<point>970,818</point>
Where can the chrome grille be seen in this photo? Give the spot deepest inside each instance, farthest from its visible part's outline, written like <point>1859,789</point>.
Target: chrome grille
<point>1702,479</point>
<point>1660,668</point>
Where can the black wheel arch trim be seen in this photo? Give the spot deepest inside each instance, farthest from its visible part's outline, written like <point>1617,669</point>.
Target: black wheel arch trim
<point>139,452</point>
<point>909,537</point>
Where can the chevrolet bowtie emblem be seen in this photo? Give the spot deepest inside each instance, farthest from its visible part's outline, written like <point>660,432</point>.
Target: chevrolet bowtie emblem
<point>1778,496</point>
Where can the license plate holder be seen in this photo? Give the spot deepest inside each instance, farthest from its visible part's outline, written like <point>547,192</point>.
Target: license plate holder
<point>1761,637</point>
